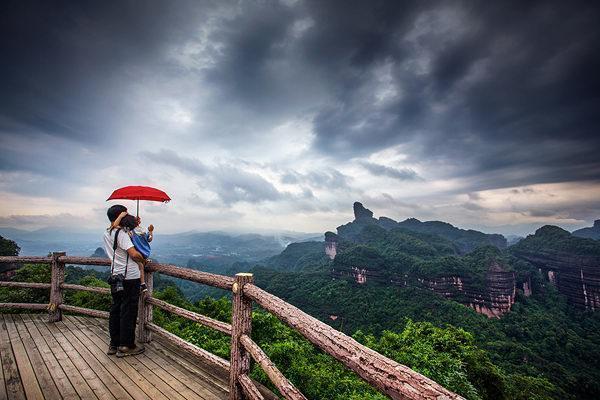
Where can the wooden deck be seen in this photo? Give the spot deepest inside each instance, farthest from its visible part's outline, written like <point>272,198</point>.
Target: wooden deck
<point>67,360</point>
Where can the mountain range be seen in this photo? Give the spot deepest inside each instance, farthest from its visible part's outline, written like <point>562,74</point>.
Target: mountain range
<point>531,306</point>
<point>473,268</point>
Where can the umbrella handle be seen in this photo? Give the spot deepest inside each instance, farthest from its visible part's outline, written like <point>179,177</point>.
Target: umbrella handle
<point>137,211</point>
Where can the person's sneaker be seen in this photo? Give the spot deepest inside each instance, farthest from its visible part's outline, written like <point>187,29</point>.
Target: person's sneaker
<point>112,350</point>
<point>124,351</point>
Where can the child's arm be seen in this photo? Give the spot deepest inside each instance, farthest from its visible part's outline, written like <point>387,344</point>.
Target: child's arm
<point>117,221</point>
<point>150,233</point>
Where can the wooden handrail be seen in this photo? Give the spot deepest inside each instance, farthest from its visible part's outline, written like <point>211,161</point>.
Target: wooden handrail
<point>84,311</point>
<point>388,376</point>
<point>24,306</point>
<point>99,261</point>
<point>249,388</point>
<point>192,316</point>
<point>392,378</point>
<point>25,260</point>
<point>189,347</point>
<point>29,285</point>
<point>285,387</point>
<point>220,281</point>
<point>94,289</point>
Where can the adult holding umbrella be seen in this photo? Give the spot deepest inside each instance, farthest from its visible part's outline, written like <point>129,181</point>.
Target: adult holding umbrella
<point>125,275</point>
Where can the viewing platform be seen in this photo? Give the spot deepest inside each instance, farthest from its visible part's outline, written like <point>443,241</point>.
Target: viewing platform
<point>68,360</point>
<point>57,355</point>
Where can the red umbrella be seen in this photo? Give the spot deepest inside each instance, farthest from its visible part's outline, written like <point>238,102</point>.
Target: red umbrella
<point>139,193</point>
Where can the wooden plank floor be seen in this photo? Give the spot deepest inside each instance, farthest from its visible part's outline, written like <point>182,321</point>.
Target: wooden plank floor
<point>67,360</point>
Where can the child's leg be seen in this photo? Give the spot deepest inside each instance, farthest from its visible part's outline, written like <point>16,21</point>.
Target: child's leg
<point>142,277</point>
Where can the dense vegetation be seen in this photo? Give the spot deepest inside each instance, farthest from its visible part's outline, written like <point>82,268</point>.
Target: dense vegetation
<point>447,355</point>
<point>541,340</point>
<point>8,247</point>
<point>543,344</point>
<point>553,238</point>
<point>465,240</point>
<point>540,350</point>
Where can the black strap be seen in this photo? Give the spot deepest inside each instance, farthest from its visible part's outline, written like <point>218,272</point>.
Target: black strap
<point>115,245</point>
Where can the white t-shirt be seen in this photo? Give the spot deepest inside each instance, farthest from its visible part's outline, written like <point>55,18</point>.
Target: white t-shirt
<point>123,244</point>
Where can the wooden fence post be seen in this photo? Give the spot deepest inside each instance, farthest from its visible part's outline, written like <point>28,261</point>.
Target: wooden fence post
<point>241,324</point>
<point>145,311</point>
<point>56,292</point>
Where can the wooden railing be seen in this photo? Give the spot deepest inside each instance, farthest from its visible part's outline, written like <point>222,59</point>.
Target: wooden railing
<point>395,380</point>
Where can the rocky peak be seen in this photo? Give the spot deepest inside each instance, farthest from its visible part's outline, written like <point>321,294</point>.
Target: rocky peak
<point>551,230</point>
<point>360,212</point>
<point>99,253</point>
<point>592,232</point>
<point>331,237</point>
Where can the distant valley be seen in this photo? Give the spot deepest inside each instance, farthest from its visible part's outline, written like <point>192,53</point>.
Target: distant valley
<point>216,247</point>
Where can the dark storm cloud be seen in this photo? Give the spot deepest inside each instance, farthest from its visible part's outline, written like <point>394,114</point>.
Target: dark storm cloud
<point>169,157</point>
<point>402,174</point>
<point>587,209</point>
<point>330,179</point>
<point>515,88</point>
<point>497,93</point>
<point>505,91</point>
<point>63,61</point>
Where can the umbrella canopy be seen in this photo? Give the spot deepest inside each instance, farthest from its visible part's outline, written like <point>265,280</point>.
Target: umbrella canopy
<point>139,193</point>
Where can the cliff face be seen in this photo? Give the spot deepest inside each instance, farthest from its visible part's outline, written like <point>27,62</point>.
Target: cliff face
<point>577,277</point>
<point>331,242</point>
<point>493,300</point>
<point>569,262</point>
<point>411,253</point>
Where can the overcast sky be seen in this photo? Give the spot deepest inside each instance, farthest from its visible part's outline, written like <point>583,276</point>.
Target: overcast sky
<point>278,115</point>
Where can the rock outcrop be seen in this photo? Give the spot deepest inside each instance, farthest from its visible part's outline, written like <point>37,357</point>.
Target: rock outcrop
<point>99,253</point>
<point>590,233</point>
<point>360,248</point>
<point>361,213</point>
<point>576,277</point>
<point>359,274</point>
<point>331,245</point>
<point>494,299</point>
<point>465,240</point>
<point>570,263</point>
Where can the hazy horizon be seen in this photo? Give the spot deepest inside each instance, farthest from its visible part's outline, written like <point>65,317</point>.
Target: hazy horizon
<point>278,115</point>
<point>504,230</point>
